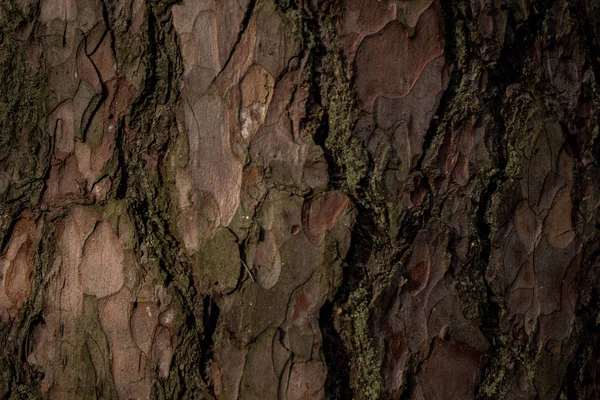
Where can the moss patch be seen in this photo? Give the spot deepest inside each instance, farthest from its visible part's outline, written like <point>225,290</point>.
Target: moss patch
<point>366,379</point>
<point>218,263</point>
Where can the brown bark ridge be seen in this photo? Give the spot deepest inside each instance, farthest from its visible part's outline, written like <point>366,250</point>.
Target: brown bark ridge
<point>299,199</point>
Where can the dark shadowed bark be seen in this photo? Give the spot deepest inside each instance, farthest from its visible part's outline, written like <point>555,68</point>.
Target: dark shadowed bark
<point>299,199</point>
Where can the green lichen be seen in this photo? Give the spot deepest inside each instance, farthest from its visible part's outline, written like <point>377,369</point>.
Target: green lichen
<point>335,88</point>
<point>366,379</point>
<point>494,386</point>
<point>298,31</point>
<point>339,103</point>
<point>461,43</point>
<point>362,181</point>
<point>508,357</point>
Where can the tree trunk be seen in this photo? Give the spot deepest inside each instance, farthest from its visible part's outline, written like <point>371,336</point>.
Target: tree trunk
<point>299,199</point>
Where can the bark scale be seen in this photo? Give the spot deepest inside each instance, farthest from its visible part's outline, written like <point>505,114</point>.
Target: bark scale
<point>299,199</point>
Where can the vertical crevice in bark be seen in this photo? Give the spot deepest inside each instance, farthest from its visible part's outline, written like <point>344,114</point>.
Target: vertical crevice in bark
<point>24,164</point>
<point>587,17</point>
<point>583,370</point>
<point>210,313</point>
<point>331,120</point>
<point>454,31</point>
<point>151,127</point>
<point>584,366</point>
<point>337,385</point>
<point>308,25</point>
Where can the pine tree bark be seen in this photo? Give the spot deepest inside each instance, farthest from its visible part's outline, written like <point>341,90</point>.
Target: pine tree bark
<point>299,199</point>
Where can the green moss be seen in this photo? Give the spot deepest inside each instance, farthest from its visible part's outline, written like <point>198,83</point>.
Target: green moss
<point>360,180</point>
<point>507,358</point>
<point>461,45</point>
<point>494,387</point>
<point>366,379</point>
<point>364,182</point>
<point>114,210</point>
<point>335,88</point>
<point>88,362</point>
<point>348,152</point>
<point>297,31</point>
<point>219,260</point>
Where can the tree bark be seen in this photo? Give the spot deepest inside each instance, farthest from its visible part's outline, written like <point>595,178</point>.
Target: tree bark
<point>299,199</point>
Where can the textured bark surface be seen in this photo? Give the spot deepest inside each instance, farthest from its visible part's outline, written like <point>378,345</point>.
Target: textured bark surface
<point>304,199</point>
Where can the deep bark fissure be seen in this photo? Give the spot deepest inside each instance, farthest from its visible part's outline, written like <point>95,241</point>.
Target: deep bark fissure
<point>337,359</point>
<point>586,31</point>
<point>210,313</point>
<point>337,385</point>
<point>589,338</point>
